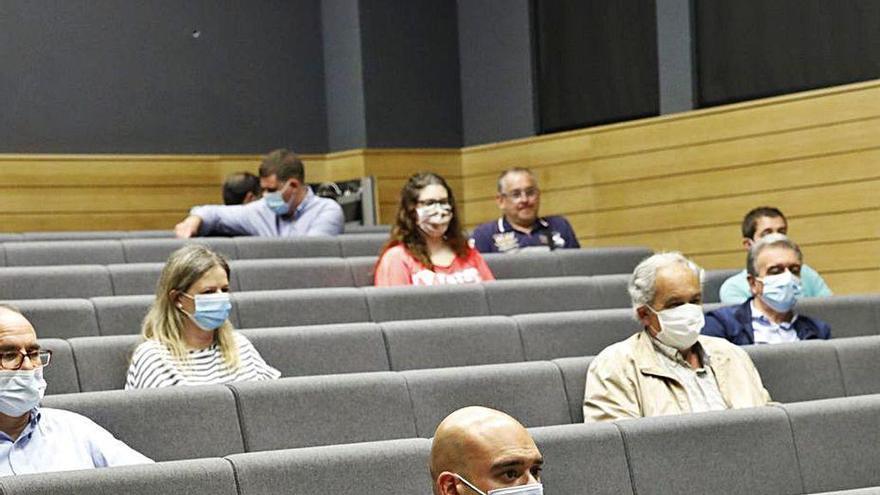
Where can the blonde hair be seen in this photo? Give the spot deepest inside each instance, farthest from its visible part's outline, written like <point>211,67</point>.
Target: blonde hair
<point>165,322</point>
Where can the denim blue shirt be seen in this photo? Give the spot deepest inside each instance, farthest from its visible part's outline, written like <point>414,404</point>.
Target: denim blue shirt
<point>57,440</point>
<point>314,216</point>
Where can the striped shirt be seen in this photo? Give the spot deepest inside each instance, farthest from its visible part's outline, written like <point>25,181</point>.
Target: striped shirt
<point>153,366</point>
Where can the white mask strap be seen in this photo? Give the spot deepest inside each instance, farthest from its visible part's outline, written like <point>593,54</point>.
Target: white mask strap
<point>470,485</point>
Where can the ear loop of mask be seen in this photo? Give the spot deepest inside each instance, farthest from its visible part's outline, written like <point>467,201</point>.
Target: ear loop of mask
<point>470,485</point>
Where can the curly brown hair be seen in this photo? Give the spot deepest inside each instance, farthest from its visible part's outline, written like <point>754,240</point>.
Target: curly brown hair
<point>406,230</point>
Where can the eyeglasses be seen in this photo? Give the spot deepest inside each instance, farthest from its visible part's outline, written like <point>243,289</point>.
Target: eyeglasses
<point>432,202</point>
<point>13,360</point>
<point>517,194</point>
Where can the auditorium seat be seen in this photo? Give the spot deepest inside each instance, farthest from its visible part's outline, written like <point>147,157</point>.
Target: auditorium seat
<point>366,244</point>
<point>583,459</point>
<point>10,237</point>
<point>531,392</point>
<point>362,270</point>
<point>102,362</point>
<point>367,229</point>
<point>573,333</point>
<point>134,279</point>
<point>283,308</point>
<point>524,265</point>
<point>45,253</point>
<point>61,374</point>
<point>303,273</point>
<point>738,451</point>
<point>849,316</point>
<point>405,303</point>
<point>60,318</point>
<point>214,476</point>
<point>601,261</point>
<point>445,342</point>
<point>574,375</point>
<point>123,315</point>
<point>712,281</point>
<point>798,371</point>
<point>540,295</point>
<point>323,410</point>
<point>163,424</point>
<point>859,359</point>
<point>158,250</point>
<point>266,247</point>
<point>44,282</point>
<point>394,467</point>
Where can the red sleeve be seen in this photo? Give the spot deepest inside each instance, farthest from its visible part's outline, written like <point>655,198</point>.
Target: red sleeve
<point>478,261</point>
<point>394,268</point>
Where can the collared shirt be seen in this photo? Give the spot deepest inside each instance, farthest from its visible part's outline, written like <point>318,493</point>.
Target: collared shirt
<point>735,290</point>
<point>768,332</point>
<point>314,216</point>
<point>57,440</point>
<point>548,233</point>
<point>699,384</point>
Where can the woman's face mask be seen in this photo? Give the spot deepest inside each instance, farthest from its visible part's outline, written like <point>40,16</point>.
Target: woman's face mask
<point>434,219</point>
<point>212,310</point>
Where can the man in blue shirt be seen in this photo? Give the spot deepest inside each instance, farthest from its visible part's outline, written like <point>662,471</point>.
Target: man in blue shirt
<point>288,207</point>
<point>520,228</point>
<point>35,439</point>
<point>758,223</point>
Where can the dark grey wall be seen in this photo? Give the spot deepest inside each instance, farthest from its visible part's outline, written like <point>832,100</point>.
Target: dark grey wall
<point>128,76</point>
<point>344,81</point>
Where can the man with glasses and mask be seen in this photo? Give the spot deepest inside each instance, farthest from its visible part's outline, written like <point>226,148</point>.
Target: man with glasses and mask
<point>35,439</point>
<point>288,207</point>
<point>481,451</point>
<point>668,367</point>
<point>774,265</point>
<point>520,228</point>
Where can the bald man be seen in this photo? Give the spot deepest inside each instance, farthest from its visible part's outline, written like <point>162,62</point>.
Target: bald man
<point>35,439</point>
<point>482,451</point>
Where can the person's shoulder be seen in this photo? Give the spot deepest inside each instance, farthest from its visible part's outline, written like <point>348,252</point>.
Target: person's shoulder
<point>718,346</point>
<point>149,350</point>
<point>485,229</point>
<point>555,220</point>
<point>619,352</point>
<point>396,252</point>
<point>67,419</point>
<point>241,340</point>
<point>327,203</point>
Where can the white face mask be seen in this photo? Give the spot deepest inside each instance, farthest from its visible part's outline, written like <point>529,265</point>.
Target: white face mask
<point>434,219</point>
<point>21,391</point>
<point>680,326</point>
<point>533,489</point>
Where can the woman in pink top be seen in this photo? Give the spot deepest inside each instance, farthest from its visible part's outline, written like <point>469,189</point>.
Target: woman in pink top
<point>427,246</point>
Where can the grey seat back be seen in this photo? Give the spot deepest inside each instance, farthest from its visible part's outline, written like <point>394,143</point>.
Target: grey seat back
<point>284,308</point>
<point>45,282</point>
<point>44,253</point>
<point>135,279</point>
<point>60,318</point>
<point>601,261</point>
<point>158,250</point>
<point>395,467</point>
<point>413,303</point>
<point>712,281</point>
<point>214,476</point>
<point>322,349</point>
<point>736,451</point>
<point>102,362</point>
<point>837,441</point>
<point>163,424</point>
<point>583,458</point>
<point>60,374</point>
<point>445,342</point>
<point>849,316</point>
<point>301,273</point>
<point>573,333</point>
<point>543,295</point>
<point>362,244</point>
<point>574,374</point>
<point>798,371</point>
<point>859,359</point>
<point>533,393</point>
<point>121,315</point>
<point>363,269</point>
<point>524,265</point>
<point>250,248</point>
<point>84,235</point>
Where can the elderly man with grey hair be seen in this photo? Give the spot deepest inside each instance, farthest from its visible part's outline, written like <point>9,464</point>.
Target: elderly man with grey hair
<point>774,266</point>
<point>668,367</point>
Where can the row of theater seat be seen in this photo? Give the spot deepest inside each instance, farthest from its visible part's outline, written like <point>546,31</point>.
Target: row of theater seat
<point>142,234</point>
<point>42,282</point>
<point>758,451</point>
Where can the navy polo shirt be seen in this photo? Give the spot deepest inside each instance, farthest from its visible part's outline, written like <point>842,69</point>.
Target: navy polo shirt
<point>548,233</point>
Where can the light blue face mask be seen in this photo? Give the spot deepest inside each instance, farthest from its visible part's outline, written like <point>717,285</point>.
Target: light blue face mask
<point>212,310</point>
<point>21,391</point>
<point>275,202</point>
<point>781,291</point>
<point>533,489</point>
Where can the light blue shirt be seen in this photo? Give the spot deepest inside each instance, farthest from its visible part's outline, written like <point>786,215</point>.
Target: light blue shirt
<point>735,290</point>
<point>314,216</point>
<point>57,440</point>
<point>768,332</point>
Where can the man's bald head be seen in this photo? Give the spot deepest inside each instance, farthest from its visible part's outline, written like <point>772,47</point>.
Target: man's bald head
<point>488,447</point>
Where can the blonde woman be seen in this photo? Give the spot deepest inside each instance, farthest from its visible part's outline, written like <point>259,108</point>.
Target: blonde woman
<point>188,337</point>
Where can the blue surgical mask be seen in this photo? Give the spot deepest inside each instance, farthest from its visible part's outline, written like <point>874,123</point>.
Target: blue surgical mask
<point>781,291</point>
<point>21,391</point>
<point>533,489</point>
<point>212,310</point>
<point>275,202</point>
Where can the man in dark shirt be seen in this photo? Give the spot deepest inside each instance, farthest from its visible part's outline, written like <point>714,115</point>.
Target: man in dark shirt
<point>520,228</point>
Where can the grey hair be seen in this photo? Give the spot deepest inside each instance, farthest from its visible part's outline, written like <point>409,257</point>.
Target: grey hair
<point>514,170</point>
<point>770,240</point>
<point>642,284</point>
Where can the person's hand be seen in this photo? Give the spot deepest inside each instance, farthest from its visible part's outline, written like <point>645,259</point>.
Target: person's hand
<point>188,227</point>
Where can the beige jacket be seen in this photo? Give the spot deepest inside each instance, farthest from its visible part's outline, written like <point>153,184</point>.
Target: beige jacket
<point>628,380</point>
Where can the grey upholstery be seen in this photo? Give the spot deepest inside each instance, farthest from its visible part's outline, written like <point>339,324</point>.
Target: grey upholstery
<point>135,279</point>
<point>163,424</point>
<point>281,247</point>
<point>509,297</point>
<point>601,261</point>
<point>323,349</point>
<point>366,229</point>
<point>859,359</point>
<point>583,459</point>
<point>44,253</point>
<point>158,250</point>
<point>524,265</point>
<point>838,442</point>
<point>411,303</point>
<point>294,412</point>
<point>11,237</point>
<point>60,374</point>
<point>148,234</point>
<point>849,316</point>
<point>302,273</point>
<point>2,254</point>
<point>362,270</point>
<point>574,374</point>
<point>257,309</point>
<point>395,467</point>
<point>874,490</point>
<point>419,344</point>
<point>121,315</point>
<point>83,235</point>
<point>798,371</point>
<point>366,244</point>
<point>531,392</point>
<point>214,476</point>
<point>712,281</point>
<point>102,362</point>
<point>44,282</point>
<point>737,451</point>
<point>573,333</point>
<point>60,318</point>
